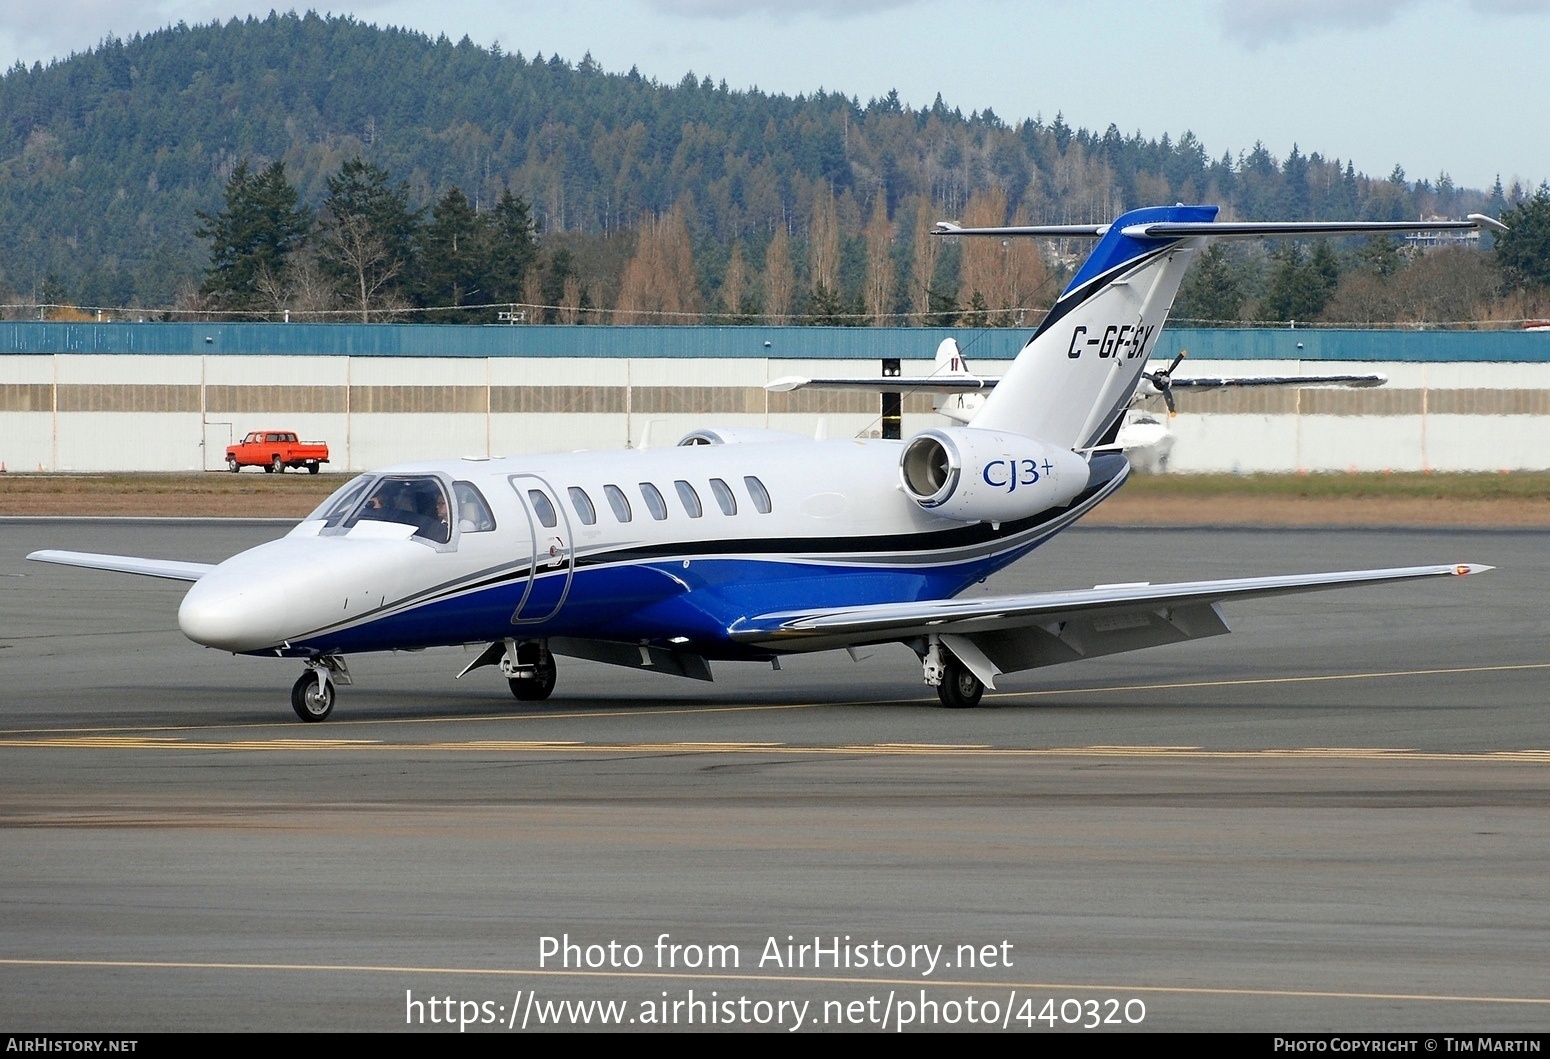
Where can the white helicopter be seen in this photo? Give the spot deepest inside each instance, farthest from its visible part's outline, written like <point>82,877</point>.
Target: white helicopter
<point>746,545</point>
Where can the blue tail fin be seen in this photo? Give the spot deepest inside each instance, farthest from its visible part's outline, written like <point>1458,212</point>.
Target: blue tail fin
<point>1077,373</point>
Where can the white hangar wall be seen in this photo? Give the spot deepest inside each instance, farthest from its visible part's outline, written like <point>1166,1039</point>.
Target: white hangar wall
<point>171,397</point>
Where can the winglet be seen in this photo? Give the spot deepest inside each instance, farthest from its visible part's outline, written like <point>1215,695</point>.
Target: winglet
<point>1465,569</point>
<point>1489,222</point>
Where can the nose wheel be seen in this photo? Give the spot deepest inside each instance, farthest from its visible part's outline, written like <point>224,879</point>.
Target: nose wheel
<point>312,696</point>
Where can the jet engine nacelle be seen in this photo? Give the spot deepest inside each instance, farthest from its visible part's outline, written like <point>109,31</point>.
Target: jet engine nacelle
<point>988,475</point>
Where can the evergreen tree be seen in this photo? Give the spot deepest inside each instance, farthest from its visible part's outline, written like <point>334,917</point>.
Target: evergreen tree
<point>1381,256</point>
<point>253,237</point>
<point>454,256</point>
<point>1212,290</point>
<point>1524,252</point>
<point>1299,289</point>
<point>512,248</point>
<point>367,237</point>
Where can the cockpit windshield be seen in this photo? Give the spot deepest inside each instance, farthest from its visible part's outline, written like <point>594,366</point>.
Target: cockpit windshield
<point>338,505</point>
<point>419,501</point>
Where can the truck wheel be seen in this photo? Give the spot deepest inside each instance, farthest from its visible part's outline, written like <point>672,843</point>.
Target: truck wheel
<point>277,465</point>
<point>312,468</point>
<point>232,465</point>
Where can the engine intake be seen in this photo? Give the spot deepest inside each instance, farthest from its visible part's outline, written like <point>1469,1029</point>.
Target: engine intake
<point>988,475</point>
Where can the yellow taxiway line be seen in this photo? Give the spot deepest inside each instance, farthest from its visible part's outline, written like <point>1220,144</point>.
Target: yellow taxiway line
<point>577,747</point>
<point>788,980</point>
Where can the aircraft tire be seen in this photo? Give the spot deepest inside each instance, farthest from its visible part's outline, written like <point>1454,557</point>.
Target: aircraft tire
<point>536,688</point>
<point>312,700</point>
<point>960,688</point>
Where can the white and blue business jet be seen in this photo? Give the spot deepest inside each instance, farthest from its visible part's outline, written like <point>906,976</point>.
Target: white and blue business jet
<point>746,545</point>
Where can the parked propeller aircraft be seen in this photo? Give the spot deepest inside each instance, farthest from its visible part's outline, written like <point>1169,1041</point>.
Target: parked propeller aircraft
<point>747,545</point>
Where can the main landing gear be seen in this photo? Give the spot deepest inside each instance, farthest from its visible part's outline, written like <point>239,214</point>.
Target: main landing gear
<point>956,685</point>
<point>312,696</point>
<point>530,670</point>
<point>528,665</point>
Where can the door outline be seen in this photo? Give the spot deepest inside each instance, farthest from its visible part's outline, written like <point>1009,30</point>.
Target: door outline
<point>567,544</point>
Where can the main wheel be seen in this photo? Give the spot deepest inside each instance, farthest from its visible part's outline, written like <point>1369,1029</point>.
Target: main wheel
<point>312,698</point>
<point>232,465</point>
<point>537,687</point>
<point>277,465</point>
<point>960,688</point>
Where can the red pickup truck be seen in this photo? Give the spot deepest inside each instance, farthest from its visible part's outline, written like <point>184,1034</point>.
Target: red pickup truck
<point>274,451</point>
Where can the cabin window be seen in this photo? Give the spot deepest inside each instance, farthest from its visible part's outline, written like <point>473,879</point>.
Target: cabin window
<point>654,502</point>
<point>583,505</point>
<point>473,514</point>
<point>759,494</point>
<point>543,508</point>
<point>724,497</point>
<point>690,499</point>
<point>618,501</point>
<point>420,502</point>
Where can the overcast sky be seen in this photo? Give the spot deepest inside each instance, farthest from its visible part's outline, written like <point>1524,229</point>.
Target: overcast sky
<point>1433,85</point>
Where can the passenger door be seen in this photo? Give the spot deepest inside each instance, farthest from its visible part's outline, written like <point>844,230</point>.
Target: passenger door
<point>549,535</point>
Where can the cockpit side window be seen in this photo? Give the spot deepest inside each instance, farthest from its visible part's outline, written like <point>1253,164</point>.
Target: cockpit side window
<point>419,501</point>
<point>473,514</point>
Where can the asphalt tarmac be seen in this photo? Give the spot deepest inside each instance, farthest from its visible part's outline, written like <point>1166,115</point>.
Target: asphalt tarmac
<point>1333,819</point>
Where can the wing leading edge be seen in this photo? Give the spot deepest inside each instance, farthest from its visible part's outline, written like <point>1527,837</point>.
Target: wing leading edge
<point>1006,634</point>
<point>126,564</point>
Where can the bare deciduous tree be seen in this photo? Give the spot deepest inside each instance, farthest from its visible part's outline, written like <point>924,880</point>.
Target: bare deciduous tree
<point>878,293</point>
<point>779,279</point>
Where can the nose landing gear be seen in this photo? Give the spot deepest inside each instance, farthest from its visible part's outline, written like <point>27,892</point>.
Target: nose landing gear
<point>312,696</point>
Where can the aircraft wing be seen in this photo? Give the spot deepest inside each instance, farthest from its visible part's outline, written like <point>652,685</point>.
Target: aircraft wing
<point>126,564</point>
<point>1005,634</point>
<point>881,384</point>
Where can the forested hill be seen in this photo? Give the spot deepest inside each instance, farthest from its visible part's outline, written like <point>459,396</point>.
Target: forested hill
<point>107,157</point>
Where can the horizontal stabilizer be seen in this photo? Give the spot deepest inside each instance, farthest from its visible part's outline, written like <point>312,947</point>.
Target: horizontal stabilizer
<point>840,627</point>
<point>126,564</point>
<point>1272,229</point>
<point>1206,382</point>
<point>1228,229</point>
<point>1053,231</point>
<point>975,384</point>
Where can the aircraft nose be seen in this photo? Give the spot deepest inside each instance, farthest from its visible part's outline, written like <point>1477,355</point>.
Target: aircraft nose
<point>233,613</point>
